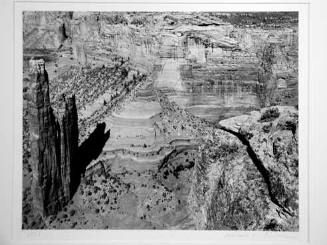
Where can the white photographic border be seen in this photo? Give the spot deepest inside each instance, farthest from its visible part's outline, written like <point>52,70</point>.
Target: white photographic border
<point>163,236</point>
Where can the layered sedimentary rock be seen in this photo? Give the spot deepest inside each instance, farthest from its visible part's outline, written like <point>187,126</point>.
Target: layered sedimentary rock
<point>249,182</point>
<point>272,142</point>
<point>53,145</point>
<point>245,175</point>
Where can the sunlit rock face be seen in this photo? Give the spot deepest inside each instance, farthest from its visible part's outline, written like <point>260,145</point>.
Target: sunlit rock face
<point>272,133</point>
<point>217,75</point>
<point>214,51</point>
<point>247,175</point>
<point>271,137</point>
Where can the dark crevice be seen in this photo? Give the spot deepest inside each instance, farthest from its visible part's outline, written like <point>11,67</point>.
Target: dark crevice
<point>209,24</point>
<point>177,150</point>
<point>181,168</point>
<point>259,165</point>
<point>103,169</point>
<point>164,162</point>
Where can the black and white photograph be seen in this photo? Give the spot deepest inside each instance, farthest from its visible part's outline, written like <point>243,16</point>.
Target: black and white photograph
<point>163,122</point>
<point>160,120</point>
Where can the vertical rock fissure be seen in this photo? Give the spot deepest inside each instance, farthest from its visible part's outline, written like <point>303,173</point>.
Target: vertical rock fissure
<point>259,165</point>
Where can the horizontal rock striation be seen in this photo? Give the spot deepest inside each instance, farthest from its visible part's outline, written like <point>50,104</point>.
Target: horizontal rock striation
<point>54,145</point>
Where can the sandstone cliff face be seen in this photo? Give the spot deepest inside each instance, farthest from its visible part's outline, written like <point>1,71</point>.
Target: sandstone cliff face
<point>53,146</point>
<point>271,134</point>
<point>227,191</point>
<point>250,181</point>
<point>244,175</point>
<point>47,30</point>
<point>69,144</point>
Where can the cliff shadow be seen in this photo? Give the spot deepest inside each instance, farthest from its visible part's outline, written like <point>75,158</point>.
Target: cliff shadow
<point>89,150</point>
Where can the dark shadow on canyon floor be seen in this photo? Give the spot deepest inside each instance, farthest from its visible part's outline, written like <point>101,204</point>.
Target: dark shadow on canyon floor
<point>89,150</point>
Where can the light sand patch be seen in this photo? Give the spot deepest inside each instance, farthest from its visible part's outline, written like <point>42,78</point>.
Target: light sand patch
<point>170,76</point>
<point>139,110</point>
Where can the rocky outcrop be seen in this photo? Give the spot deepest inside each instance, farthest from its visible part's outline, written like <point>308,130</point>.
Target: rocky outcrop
<point>46,30</point>
<point>247,178</point>
<point>227,192</point>
<point>54,145</point>
<point>251,183</point>
<point>271,140</point>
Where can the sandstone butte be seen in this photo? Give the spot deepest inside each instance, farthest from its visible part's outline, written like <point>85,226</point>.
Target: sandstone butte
<point>54,144</point>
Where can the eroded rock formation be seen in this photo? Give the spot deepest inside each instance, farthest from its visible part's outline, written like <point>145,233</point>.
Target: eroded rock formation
<point>271,140</point>
<point>69,144</point>
<point>54,144</point>
<point>249,182</point>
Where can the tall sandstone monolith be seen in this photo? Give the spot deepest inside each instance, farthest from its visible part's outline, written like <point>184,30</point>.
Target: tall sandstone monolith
<point>69,144</point>
<point>54,143</point>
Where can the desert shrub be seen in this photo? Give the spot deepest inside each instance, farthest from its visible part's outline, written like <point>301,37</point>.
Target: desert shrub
<point>74,224</point>
<point>170,19</point>
<point>25,89</point>
<point>140,20</point>
<point>104,195</point>
<point>246,133</point>
<point>289,124</point>
<point>225,149</point>
<point>270,115</point>
<point>266,128</point>
<point>96,189</point>
<point>272,225</point>
<point>115,18</point>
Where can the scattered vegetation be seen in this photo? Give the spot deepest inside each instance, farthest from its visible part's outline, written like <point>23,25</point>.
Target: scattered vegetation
<point>270,114</point>
<point>115,18</point>
<point>261,19</point>
<point>140,20</point>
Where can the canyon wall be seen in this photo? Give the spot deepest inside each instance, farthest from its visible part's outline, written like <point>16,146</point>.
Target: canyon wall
<point>250,181</point>
<point>54,144</point>
<point>244,175</point>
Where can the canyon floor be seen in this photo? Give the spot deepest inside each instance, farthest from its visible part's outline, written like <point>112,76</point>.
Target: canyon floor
<point>201,110</point>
